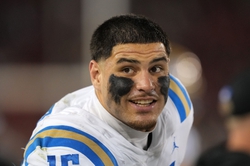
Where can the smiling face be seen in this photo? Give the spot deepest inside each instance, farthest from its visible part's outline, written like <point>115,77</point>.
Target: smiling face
<point>132,84</point>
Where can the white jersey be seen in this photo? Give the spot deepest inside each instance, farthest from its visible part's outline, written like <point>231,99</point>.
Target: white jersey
<point>73,133</point>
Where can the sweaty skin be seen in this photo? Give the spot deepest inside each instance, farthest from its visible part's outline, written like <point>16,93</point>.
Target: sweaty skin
<point>120,86</point>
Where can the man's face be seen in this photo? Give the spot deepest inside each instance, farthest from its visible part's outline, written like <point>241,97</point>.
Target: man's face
<point>132,84</point>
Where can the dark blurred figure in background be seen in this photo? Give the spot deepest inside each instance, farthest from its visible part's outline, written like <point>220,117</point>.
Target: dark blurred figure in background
<point>219,157</point>
<point>234,101</point>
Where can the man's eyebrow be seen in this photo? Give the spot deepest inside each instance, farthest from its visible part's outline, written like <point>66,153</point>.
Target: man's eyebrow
<point>127,60</point>
<point>159,59</point>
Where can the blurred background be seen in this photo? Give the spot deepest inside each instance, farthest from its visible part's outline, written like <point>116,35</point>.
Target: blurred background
<point>44,54</point>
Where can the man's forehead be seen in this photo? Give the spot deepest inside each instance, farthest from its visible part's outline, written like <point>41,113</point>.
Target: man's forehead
<point>138,48</point>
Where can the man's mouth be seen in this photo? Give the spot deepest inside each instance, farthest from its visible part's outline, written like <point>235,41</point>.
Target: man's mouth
<point>143,103</point>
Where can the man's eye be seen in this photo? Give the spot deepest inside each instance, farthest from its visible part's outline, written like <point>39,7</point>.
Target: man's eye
<point>155,69</point>
<point>127,70</point>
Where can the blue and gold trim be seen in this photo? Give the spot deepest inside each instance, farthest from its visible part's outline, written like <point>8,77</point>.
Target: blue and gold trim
<point>65,136</point>
<point>180,97</point>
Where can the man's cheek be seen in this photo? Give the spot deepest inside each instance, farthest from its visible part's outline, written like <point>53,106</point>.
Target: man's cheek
<point>119,86</point>
<point>164,83</point>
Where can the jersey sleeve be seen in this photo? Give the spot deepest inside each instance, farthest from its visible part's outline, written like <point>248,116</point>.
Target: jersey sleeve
<point>56,143</point>
<point>183,104</point>
<point>181,99</point>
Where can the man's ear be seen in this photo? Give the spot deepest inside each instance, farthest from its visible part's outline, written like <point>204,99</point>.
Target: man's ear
<point>95,73</point>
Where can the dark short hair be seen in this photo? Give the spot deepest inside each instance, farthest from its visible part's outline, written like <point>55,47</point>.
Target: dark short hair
<point>125,29</point>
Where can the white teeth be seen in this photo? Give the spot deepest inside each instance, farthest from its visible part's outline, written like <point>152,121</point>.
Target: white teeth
<point>143,102</point>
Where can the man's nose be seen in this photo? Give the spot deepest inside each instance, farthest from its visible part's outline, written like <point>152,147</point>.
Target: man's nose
<point>144,82</point>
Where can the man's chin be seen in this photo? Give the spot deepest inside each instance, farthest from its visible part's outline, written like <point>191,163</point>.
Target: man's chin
<point>144,125</point>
